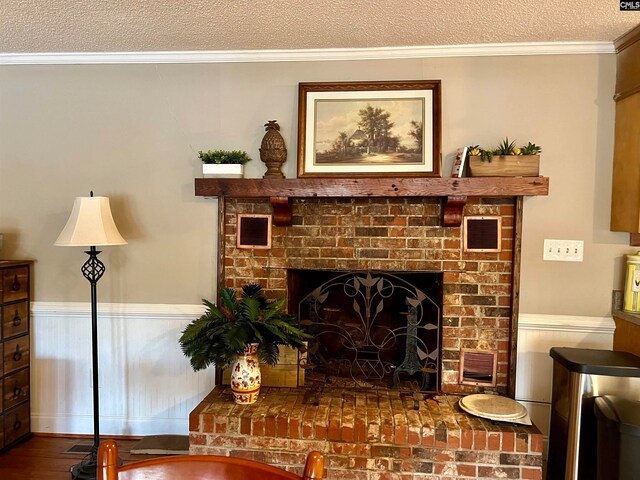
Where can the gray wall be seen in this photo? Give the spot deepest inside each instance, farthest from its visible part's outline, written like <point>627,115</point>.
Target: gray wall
<point>132,132</point>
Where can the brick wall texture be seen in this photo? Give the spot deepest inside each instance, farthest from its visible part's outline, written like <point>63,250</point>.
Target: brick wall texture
<point>365,436</point>
<point>403,234</point>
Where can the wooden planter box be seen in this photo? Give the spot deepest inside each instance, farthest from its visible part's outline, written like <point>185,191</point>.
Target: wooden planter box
<point>505,166</point>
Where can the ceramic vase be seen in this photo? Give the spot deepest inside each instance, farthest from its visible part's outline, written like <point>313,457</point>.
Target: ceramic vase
<point>245,376</point>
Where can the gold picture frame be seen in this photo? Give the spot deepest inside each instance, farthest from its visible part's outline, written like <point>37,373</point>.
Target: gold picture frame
<point>369,129</point>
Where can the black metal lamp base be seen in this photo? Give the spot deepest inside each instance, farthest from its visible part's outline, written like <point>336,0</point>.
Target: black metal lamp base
<point>92,270</point>
<point>86,469</point>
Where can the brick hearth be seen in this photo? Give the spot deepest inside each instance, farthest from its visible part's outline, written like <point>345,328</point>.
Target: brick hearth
<point>365,435</point>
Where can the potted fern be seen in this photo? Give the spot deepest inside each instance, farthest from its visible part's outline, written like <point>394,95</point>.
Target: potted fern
<point>223,163</point>
<point>241,332</point>
<point>506,160</point>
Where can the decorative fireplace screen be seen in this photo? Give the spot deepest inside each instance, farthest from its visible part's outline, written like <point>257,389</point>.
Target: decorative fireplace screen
<point>372,329</point>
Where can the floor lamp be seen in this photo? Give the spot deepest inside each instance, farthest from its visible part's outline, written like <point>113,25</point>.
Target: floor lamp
<point>90,225</point>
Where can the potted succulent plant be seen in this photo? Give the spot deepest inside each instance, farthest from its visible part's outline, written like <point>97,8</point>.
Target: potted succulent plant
<point>223,162</point>
<point>241,332</point>
<point>506,160</point>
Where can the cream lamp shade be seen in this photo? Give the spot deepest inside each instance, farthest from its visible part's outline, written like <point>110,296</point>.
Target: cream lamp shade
<point>90,224</point>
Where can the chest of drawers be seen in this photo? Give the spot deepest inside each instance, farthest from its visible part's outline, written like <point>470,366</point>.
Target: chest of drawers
<point>15,341</point>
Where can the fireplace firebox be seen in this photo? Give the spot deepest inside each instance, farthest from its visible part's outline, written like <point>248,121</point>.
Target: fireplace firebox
<point>370,329</point>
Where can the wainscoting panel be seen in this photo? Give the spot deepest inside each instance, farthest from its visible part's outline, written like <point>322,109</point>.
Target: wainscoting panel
<point>146,384</point>
<point>536,335</point>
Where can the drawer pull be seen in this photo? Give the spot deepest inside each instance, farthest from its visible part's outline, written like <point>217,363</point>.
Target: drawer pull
<point>16,319</point>
<point>17,424</point>
<point>16,284</point>
<point>17,391</point>
<point>17,356</point>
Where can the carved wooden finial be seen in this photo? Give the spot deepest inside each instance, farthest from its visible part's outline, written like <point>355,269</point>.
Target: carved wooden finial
<point>272,125</point>
<point>273,151</point>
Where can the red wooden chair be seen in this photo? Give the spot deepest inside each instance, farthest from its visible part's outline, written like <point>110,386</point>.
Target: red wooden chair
<point>198,467</point>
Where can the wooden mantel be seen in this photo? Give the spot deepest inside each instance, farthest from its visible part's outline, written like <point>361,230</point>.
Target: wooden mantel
<point>454,190</point>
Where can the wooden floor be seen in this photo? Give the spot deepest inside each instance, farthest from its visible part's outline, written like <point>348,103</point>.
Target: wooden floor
<point>44,458</point>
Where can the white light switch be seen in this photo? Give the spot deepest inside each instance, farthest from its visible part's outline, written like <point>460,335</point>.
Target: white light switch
<point>563,250</point>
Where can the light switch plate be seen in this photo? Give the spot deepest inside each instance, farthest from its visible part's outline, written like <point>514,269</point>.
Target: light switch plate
<point>563,250</point>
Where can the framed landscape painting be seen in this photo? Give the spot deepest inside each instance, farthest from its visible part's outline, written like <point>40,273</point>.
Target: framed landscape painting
<point>369,129</point>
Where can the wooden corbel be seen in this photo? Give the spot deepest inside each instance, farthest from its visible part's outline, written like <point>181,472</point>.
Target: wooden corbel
<point>281,210</point>
<point>452,210</point>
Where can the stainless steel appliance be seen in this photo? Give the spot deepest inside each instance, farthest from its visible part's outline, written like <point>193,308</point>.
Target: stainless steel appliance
<point>579,376</point>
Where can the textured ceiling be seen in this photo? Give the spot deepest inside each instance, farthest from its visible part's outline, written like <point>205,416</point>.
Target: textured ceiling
<point>30,26</point>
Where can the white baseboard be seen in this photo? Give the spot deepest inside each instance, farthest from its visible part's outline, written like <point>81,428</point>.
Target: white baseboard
<point>83,424</point>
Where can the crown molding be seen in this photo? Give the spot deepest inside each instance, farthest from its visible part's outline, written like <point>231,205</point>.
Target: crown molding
<point>309,55</point>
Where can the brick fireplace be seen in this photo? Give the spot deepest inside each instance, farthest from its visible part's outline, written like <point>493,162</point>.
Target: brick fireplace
<point>384,433</point>
<point>393,235</point>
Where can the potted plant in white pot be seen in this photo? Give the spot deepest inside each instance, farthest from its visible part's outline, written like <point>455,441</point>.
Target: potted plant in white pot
<point>506,160</point>
<point>241,332</point>
<point>223,163</point>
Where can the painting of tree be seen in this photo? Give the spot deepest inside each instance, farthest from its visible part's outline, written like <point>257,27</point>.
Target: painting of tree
<point>416,133</point>
<point>371,131</point>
